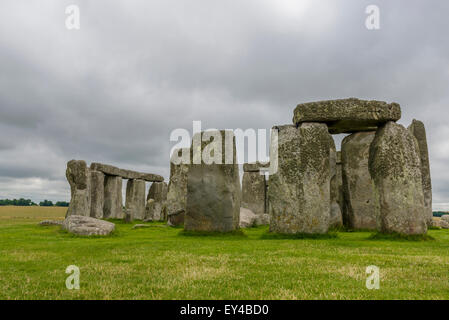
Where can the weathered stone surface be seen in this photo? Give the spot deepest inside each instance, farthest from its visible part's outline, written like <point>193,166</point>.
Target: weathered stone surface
<point>262,219</point>
<point>255,166</point>
<point>177,187</point>
<point>419,132</point>
<point>213,189</point>
<point>157,210</point>
<point>135,199</point>
<point>247,218</point>
<point>113,202</point>
<point>335,218</point>
<point>176,218</point>
<point>339,182</point>
<point>78,176</point>
<point>51,223</point>
<point>87,226</point>
<point>395,166</point>
<point>253,192</point>
<point>125,174</point>
<point>96,194</point>
<point>358,187</point>
<point>140,226</point>
<point>445,217</point>
<point>299,191</point>
<point>439,223</point>
<point>347,115</point>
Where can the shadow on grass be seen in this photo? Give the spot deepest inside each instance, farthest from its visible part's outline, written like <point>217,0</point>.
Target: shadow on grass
<point>281,236</point>
<point>400,237</point>
<point>232,234</point>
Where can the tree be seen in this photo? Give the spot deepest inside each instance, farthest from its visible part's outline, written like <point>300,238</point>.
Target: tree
<point>46,203</point>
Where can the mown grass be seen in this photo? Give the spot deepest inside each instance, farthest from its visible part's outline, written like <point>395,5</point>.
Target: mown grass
<point>167,263</point>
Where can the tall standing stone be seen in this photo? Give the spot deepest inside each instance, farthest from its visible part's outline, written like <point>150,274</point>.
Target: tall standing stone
<point>335,219</point>
<point>358,187</point>
<point>135,199</point>
<point>156,209</point>
<point>253,191</point>
<point>213,184</point>
<point>96,194</point>
<point>78,176</point>
<point>395,167</point>
<point>299,191</point>
<point>113,203</point>
<point>419,132</point>
<point>177,187</point>
<point>339,181</point>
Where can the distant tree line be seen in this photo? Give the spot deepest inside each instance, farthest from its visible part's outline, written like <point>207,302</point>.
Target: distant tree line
<point>439,213</point>
<point>27,203</point>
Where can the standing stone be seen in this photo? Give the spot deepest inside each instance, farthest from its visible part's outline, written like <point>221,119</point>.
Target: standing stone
<point>253,191</point>
<point>213,184</point>
<point>156,209</point>
<point>135,199</point>
<point>113,203</point>
<point>419,132</point>
<point>78,176</point>
<point>395,166</point>
<point>96,194</point>
<point>335,220</point>
<point>177,187</point>
<point>339,182</point>
<point>299,191</point>
<point>358,187</point>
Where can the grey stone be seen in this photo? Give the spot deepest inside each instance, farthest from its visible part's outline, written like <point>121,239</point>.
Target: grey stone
<point>113,202</point>
<point>262,219</point>
<point>419,132</point>
<point>247,218</point>
<point>335,218</point>
<point>176,219</point>
<point>445,217</point>
<point>299,190</point>
<point>158,210</point>
<point>125,174</point>
<point>358,187</point>
<point>339,182</point>
<point>51,223</point>
<point>347,115</point>
<point>255,166</point>
<point>140,226</point>
<point>78,176</point>
<point>135,199</point>
<point>177,187</point>
<point>96,194</point>
<point>395,166</point>
<point>87,226</point>
<point>213,189</point>
<point>253,192</point>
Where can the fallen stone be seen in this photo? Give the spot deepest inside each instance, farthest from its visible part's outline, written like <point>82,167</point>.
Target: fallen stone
<point>135,199</point>
<point>87,226</point>
<point>125,174</point>
<point>445,217</point>
<point>395,166</point>
<point>262,219</point>
<point>78,176</point>
<point>213,189</point>
<point>299,191</point>
<point>51,223</point>
<point>176,219</point>
<point>247,218</point>
<point>419,132</point>
<point>140,226</point>
<point>253,191</point>
<point>358,187</point>
<point>113,202</point>
<point>96,194</point>
<point>347,115</point>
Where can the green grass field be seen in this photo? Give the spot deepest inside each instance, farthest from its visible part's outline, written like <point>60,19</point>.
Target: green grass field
<point>163,263</point>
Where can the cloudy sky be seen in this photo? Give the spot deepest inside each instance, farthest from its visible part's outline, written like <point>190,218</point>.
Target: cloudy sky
<point>115,89</point>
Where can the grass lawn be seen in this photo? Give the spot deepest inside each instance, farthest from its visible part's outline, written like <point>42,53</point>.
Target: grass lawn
<point>163,263</point>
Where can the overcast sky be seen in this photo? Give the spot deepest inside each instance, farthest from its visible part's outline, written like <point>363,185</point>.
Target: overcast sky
<point>136,70</point>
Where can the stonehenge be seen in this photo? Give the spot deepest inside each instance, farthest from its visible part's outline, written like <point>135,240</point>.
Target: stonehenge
<point>379,181</point>
<point>96,191</point>
<point>213,184</point>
